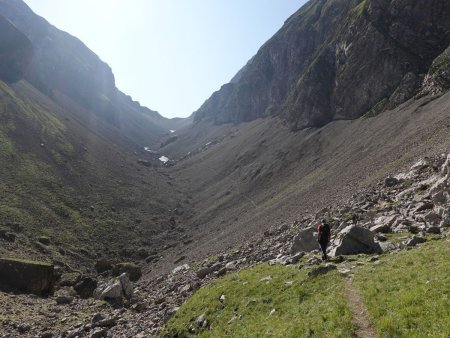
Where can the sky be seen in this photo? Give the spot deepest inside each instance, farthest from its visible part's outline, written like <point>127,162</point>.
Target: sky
<point>170,55</point>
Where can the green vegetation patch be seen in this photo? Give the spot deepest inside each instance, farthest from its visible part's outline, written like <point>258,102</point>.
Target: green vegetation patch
<point>408,294</point>
<point>358,10</point>
<point>290,304</point>
<point>441,63</point>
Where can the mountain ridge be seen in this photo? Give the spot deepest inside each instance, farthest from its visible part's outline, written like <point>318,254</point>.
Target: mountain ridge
<point>319,51</point>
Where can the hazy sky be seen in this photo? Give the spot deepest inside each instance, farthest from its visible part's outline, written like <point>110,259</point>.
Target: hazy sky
<point>170,55</point>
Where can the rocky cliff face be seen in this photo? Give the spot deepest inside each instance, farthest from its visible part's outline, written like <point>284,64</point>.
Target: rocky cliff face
<point>64,69</point>
<point>336,59</point>
<point>15,52</point>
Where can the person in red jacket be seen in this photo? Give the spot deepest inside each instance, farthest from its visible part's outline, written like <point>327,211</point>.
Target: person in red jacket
<point>324,232</point>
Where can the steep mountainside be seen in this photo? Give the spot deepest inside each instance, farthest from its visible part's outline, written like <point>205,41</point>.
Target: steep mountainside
<point>15,52</point>
<point>63,68</point>
<point>73,165</point>
<point>336,59</point>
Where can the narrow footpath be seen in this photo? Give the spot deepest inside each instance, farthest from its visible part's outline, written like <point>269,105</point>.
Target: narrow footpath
<point>359,312</point>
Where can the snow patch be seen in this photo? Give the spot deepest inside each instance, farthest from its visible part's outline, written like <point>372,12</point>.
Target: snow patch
<point>172,131</point>
<point>164,159</point>
<point>149,150</point>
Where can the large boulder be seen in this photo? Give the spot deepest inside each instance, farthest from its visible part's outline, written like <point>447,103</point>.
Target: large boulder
<point>115,290</point>
<point>133,271</point>
<point>305,241</point>
<point>353,240</point>
<point>86,287</point>
<point>26,276</point>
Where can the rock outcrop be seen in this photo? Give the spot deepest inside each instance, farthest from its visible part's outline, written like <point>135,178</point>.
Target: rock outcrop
<point>306,241</point>
<point>336,60</point>
<point>354,240</point>
<point>26,276</point>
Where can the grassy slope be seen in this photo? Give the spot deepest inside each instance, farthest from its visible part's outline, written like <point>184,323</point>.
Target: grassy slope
<point>307,308</point>
<point>406,297</point>
<point>408,294</point>
<point>49,190</point>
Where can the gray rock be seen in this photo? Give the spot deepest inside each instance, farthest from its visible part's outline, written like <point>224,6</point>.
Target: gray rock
<point>432,218</point>
<point>7,236</point>
<point>98,333</point>
<point>116,289</point>
<point>354,240</point>
<point>62,300</point>
<point>201,319</point>
<point>321,270</point>
<point>85,287</point>
<point>26,276</point>
<point>203,272</point>
<point>44,240</point>
<point>390,181</point>
<point>103,265</point>
<point>434,230</point>
<point>47,334</point>
<point>383,224</point>
<point>133,271</point>
<point>424,206</point>
<point>388,246</point>
<point>305,241</point>
<point>181,268</point>
<point>414,241</point>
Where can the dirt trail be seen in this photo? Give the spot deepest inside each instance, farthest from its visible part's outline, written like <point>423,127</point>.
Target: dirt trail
<point>359,311</point>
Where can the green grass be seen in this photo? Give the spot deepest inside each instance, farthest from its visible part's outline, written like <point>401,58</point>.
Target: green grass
<point>407,294</point>
<point>441,63</point>
<point>310,307</point>
<point>358,10</point>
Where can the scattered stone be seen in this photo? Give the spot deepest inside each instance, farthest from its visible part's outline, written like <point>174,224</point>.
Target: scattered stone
<point>44,240</point>
<point>107,322</point>
<point>86,287</point>
<point>434,230</point>
<point>266,279</point>
<point>414,241</point>
<point>387,246</point>
<point>99,333</point>
<point>424,206</point>
<point>134,272</point>
<point>103,265</point>
<point>63,300</point>
<point>115,290</point>
<point>24,328</point>
<point>181,268</point>
<point>321,270</point>
<point>201,319</point>
<point>69,279</point>
<point>7,236</point>
<point>390,181</point>
<point>222,272</point>
<point>203,272</point>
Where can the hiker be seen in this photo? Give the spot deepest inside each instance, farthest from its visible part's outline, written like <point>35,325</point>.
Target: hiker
<point>323,237</point>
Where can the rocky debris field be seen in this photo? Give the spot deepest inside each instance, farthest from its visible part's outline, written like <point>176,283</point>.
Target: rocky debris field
<point>402,211</point>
